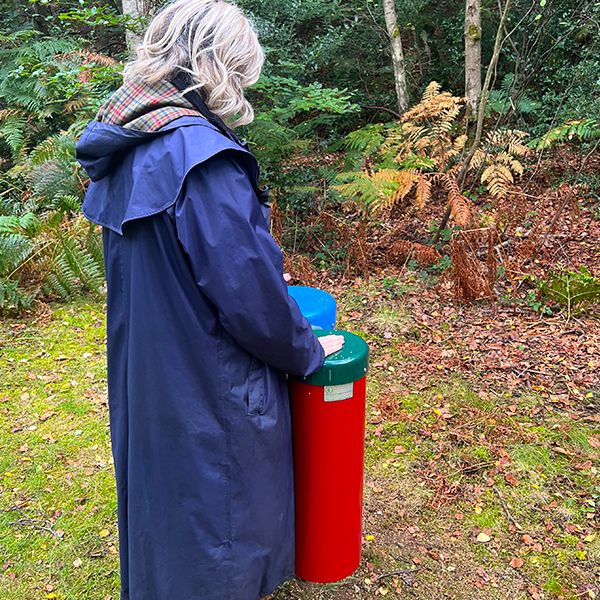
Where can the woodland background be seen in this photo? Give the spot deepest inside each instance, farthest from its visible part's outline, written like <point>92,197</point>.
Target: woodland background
<point>351,167</point>
<point>436,166</point>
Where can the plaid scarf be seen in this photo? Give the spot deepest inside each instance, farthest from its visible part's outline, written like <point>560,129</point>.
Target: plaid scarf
<point>145,106</point>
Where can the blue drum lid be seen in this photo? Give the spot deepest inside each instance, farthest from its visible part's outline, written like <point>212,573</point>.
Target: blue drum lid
<point>316,305</point>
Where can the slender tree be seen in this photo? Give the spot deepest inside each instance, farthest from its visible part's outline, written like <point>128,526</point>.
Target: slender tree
<point>501,36</point>
<point>389,9</point>
<point>137,9</point>
<point>472,55</point>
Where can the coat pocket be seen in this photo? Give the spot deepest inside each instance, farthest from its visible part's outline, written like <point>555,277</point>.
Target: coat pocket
<point>256,387</point>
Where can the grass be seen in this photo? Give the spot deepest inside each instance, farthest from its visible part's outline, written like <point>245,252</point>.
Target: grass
<point>446,459</point>
<point>57,522</point>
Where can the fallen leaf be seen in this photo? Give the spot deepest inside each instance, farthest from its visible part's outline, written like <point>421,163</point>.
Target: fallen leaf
<point>534,592</point>
<point>483,538</point>
<point>517,562</point>
<point>563,451</point>
<point>527,539</point>
<point>47,414</point>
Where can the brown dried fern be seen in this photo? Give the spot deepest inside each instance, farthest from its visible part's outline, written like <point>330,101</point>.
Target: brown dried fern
<point>460,207</point>
<point>403,250</point>
<point>423,192</point>
<point>473,278</point>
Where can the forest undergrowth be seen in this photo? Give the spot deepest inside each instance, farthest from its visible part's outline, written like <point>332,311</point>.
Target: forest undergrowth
<point>481,446</point>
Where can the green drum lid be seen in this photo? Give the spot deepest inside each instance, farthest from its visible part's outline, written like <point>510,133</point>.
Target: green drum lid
<point>348,364</point>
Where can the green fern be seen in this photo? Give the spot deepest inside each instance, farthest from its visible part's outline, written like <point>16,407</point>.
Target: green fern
<point>501,101</point>
<point>583,130</point>
<point>12,131</point>
<point>358,184</point>
<point>363,143</point>
<point>576,290</point>
<point>60,147</point>
<point>14,249</point>
<point>16,241</point>
<point>61,255</point>
<point>76,267</point>
<point>13,298</point>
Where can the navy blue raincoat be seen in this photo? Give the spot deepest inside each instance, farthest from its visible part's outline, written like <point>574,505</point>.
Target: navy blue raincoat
<point>200,333</point>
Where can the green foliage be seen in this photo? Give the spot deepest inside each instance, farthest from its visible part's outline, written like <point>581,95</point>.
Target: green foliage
<point>51,84</point>
<point>290,119</point>
<point>106,17</point>
<point>501,101</point>
<point>49,249</point>
<point>289,114</point>
<point>76,262</point>
<point>577,290</point>
<point>12,131</point>
<point>583,130</point>
<point>362,143</point>
<point>58,256</point>
<point>47,84</point>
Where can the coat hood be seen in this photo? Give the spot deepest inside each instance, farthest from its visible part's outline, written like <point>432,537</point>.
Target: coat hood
<point>102,144</point>
<point>136,174</point>
<point>145,140</point>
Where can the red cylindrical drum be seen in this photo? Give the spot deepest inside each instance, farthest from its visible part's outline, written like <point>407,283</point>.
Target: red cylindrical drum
<point>328,418</point>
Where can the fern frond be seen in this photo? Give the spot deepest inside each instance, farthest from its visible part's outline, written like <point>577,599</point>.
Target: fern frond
<point>401,182</point>
<point>56,147</point>
<point>459,143</point>
<point>432,90</point>
<point>582,130</point>
<point>12,131</point>
<point>460,206</point>
<point>423,192</point>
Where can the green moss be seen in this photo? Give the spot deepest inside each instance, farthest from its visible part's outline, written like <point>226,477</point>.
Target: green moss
<point>490,516</point>
<point>473,32</point>
<point>64,478</point>
<point>528,457</point>
<point>51,476</point>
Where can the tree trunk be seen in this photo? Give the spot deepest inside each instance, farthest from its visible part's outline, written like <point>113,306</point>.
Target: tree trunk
<point>491,70</point>
<point>137,9</point>
<point>480,113</point>
<point>472,55</point>
<point>389,9</point>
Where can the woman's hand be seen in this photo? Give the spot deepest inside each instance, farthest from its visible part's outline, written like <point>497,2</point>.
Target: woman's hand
<point>331,343</point>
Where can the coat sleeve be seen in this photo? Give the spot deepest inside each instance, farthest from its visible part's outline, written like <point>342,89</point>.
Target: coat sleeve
<point>239,267</point>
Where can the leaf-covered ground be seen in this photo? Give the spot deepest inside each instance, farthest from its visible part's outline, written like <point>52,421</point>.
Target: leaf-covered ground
<point>482,437</point>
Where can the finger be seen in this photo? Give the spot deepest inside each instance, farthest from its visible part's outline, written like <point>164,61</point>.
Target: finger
<point>331,343</point>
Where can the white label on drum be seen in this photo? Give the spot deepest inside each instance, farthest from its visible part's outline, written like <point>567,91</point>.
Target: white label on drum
<point>339,392</point>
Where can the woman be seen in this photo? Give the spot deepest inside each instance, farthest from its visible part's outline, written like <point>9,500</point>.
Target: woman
<point>200,327</point>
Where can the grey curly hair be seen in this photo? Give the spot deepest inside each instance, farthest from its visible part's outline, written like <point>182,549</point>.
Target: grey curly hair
<point>213,43</point>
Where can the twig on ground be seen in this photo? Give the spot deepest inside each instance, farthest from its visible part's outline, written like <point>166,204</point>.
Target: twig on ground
<point>505,507</point>
<point>399,572</point>
<point>31,523</point>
